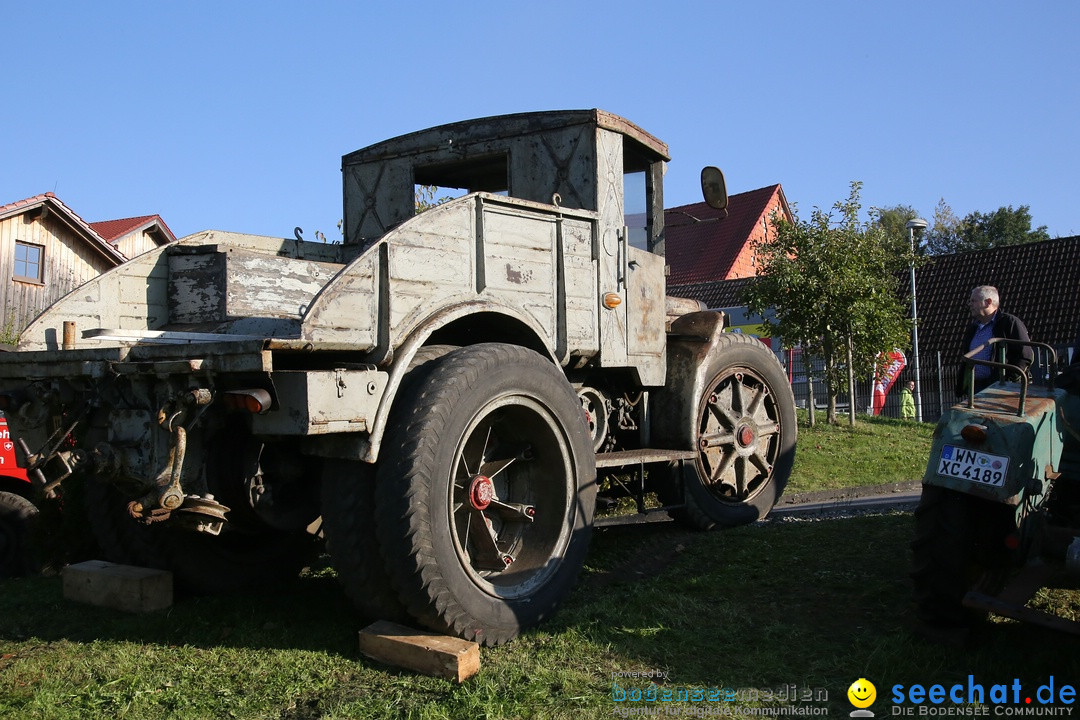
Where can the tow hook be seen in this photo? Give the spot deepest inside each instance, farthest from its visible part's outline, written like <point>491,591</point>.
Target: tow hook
<point>159,503</point>
<point>203,514</point>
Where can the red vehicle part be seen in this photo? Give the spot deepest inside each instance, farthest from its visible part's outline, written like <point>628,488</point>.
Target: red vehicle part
<point>16,510</point>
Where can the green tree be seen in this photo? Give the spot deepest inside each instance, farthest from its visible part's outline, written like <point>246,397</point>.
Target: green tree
<point>833,289</point>
<point>944,231</point>
<point>894,220</point>
<point>426,197</point>
<point>981,231</point>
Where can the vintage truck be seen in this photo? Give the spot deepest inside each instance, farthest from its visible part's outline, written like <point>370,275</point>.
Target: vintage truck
<point>440,395</point>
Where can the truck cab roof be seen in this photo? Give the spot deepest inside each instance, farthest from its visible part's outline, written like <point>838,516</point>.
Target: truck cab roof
<point>575,158</point>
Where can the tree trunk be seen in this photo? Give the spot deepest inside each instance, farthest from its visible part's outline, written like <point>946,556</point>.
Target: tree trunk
<point>811,404</point>
<point>830,383</point>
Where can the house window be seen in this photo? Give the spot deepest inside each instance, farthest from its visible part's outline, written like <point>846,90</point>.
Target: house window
<point>29,262</point>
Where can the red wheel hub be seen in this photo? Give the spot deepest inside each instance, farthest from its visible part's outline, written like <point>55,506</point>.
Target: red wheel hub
<point>746,436</point>
<point>481,492</point>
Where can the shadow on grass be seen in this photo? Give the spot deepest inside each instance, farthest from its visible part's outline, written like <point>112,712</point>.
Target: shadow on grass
<point>812,604</point>
<point>308,613</point>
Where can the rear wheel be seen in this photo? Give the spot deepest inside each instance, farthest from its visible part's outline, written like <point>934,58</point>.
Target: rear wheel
<point>959,546</point>
<point>485,493</point>
<point>745,434</point>
<point>17,514</point>
<point>348,511</point>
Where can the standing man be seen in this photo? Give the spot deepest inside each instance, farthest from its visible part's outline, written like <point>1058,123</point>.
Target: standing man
<point>907,401</point>
<point>988,321</point>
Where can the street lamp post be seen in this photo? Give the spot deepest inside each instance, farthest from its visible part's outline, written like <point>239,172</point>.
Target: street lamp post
<point>912,225</point>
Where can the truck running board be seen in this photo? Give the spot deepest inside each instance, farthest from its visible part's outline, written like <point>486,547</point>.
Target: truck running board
<point>622,458</point>
<point>635,461</point>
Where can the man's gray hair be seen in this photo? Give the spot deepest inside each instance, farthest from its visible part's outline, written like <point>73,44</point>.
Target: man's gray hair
<point>986,291</point>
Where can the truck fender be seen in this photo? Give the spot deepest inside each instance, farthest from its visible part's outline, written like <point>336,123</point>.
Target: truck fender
<point>407,351</point>
<point>690,340</point>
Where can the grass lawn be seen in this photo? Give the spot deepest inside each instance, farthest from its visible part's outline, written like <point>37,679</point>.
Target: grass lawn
<point>757,609</point>
<point>876,451</point>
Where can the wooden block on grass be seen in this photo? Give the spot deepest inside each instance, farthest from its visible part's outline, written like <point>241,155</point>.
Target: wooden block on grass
<point>439,655</point>
<point>123,587</point>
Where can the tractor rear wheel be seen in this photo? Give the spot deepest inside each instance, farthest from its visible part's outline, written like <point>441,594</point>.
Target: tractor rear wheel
<point>959,546</point>
<point>485,493</point>
<point>348,512</point>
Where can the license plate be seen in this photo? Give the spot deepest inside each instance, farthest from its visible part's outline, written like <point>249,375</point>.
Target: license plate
<point>967,464</point>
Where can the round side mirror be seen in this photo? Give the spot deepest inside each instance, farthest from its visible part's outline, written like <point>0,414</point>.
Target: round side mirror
<point>713,188</point>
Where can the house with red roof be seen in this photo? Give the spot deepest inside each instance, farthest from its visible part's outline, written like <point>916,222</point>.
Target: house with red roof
<point>134,236</point>
<point>47,250</point>
<point>703,245</point>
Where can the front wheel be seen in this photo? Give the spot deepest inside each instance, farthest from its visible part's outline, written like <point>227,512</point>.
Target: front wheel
<point>744,435</point>
<point>485,501</point>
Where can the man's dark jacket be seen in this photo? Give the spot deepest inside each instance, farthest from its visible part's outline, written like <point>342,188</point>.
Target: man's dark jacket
<point>1005,326</point>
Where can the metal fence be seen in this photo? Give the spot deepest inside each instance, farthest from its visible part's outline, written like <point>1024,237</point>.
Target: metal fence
<point>937,381</point>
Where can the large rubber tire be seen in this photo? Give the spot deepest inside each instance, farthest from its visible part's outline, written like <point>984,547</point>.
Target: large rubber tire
<point>959,546</point>
<point>745,432</point>
<point>495,424</point>
<point>237,560</point>
<point>17,515</point>
<point>348,512</point>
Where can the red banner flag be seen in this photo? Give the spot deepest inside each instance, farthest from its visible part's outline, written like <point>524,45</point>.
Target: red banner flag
<point>884,380</point>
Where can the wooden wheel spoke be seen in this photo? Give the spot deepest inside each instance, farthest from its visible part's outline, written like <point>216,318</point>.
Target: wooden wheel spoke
<point>737,399</point>
<point>759,398</point>
<point>717,476</point>
<point>723,415</point>
<point>717,439</point>
<point>759,461</point>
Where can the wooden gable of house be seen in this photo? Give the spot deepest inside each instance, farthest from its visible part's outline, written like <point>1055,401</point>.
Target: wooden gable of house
<point>46,251</point>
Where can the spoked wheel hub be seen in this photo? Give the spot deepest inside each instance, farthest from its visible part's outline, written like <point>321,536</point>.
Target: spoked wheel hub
<point>738,435</point>
<point>481,492</point>
<point>510,496</point>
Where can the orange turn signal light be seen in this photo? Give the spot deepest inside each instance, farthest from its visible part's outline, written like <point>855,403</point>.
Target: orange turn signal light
<point>612,300</point>
<point>255,401</point>
<point>974,433</point>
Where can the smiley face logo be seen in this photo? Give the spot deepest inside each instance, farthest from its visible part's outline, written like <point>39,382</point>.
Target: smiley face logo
<point>862,693</point>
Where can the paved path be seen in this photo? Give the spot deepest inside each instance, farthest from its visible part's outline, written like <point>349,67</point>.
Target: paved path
<point>894,496</point>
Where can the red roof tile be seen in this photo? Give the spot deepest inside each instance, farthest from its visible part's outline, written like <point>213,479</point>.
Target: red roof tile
<point>113,229</point>
<point>700,247</point>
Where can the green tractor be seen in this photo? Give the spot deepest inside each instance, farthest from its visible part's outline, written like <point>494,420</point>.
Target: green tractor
<point>1000,498</point>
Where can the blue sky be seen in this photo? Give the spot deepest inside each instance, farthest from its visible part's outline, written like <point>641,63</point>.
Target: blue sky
<point>235,115</point>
